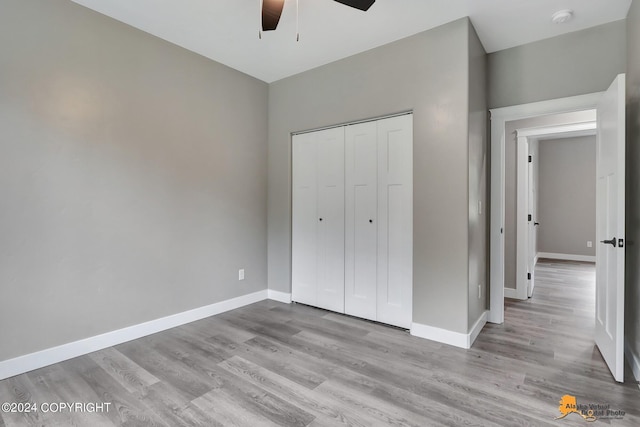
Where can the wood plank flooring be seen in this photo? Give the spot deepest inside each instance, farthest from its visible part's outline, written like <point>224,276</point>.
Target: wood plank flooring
<point>272,364</point>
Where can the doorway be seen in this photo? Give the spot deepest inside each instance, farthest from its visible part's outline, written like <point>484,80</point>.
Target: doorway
<point>610,176</point>
<point>566,154</point>
<point>500,118</point>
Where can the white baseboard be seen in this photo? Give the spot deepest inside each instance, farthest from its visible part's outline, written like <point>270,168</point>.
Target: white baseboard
<point>567,257</point>
<point>633,359</point>
<point>477,327</point>
<point>40,359</point>
<point>446,336</point>
<point>279,296</point>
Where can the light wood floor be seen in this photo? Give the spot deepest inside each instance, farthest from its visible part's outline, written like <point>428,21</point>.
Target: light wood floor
<point>273,364</point>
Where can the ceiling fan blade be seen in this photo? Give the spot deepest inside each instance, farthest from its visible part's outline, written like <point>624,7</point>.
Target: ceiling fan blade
<point>271,11</point>
<point>358,4</point>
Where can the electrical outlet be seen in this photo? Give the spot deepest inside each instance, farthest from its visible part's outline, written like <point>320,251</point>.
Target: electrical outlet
<point>589,244</point>
<point>479,291</point>
<point>241,274</point>
<point>479,207</point>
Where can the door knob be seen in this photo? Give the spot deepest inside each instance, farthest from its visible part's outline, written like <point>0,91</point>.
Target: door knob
<point>613,242</point>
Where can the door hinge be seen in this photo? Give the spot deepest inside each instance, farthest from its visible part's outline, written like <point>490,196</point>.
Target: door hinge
<point>529,217</point>
<point>528,276</point>
<point>529,159</point>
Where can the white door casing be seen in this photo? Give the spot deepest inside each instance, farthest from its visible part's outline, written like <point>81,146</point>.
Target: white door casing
<point>610,226</point>
<point>526,197</point>
<point>499,119</point>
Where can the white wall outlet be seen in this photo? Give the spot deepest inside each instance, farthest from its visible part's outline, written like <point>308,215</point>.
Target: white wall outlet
<point>589,244</point>
<point>479,291</point>
<point>241,274</point>
<point>479,207</point>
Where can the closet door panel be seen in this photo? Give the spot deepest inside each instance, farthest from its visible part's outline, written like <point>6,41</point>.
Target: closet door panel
<point>395,221</point>
<point>361,220</point>
<point>352,224</point>
<point>330,158</point>
<point>304,271</point>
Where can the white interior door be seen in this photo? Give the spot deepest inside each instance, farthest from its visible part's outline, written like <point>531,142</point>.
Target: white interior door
<point>304,269</point>
<point>361,219</point>
<point>531,252</point>
<point>330,161</point>
<point>522,218</point>
<point>610,227</point>
<point>395,221</point>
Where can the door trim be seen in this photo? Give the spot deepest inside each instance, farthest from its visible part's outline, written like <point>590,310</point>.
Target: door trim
<point>499,118</point>
<point>525,136</point>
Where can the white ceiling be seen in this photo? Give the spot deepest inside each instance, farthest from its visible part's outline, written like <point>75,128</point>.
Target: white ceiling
<point>227,30</point>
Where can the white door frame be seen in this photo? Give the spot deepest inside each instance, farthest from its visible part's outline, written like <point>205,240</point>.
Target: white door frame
<point>525,136</point>
<point>499,118</point>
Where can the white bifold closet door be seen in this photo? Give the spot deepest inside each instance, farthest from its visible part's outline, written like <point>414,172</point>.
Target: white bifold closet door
<point>395,221</point>
<point>318,219</point>
<point>361,219</point>
<point>352,227</point>
<point>379,220</point>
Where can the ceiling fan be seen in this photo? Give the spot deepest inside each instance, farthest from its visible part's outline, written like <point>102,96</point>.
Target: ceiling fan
<point>272,9</point>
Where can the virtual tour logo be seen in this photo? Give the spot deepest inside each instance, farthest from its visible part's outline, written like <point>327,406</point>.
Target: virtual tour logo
<point>590,411</point>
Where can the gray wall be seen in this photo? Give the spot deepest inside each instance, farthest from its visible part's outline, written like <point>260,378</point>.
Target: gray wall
<point>477,177</point>
<point>510,185</point>
<point>567,195</point>
<point>582,62</point>
<point>632,282</point>
<point>132,177</point>
<point>429,74</point>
